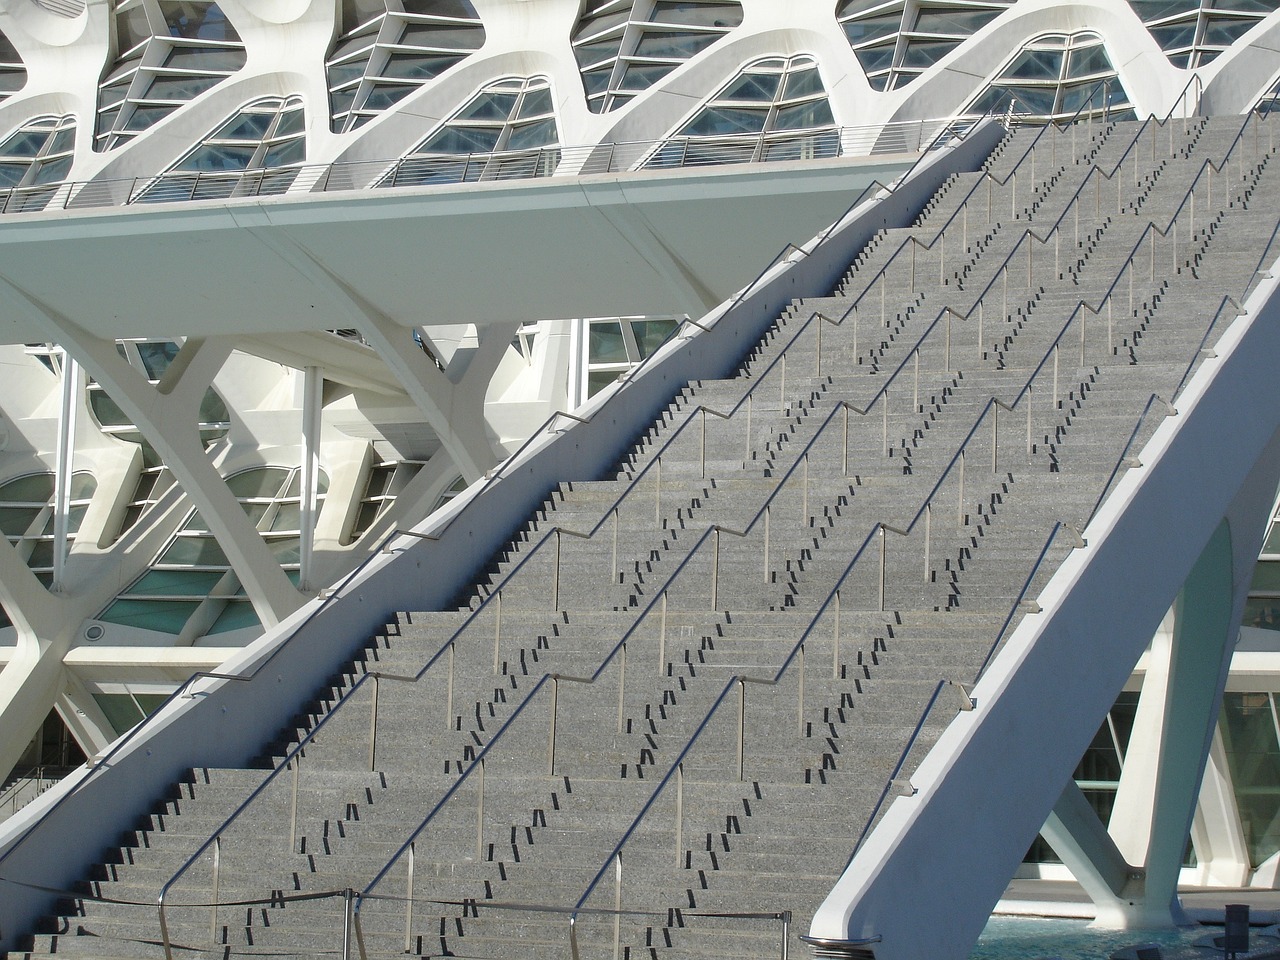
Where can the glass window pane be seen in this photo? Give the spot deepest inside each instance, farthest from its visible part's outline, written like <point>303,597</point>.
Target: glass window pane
<point>211,59</point>
<point>1253,756</point>
<point>605,343</point>
<point>176,583</point>
<point>721,121</point>
<point>195,20</point>
<point>803,83</point>
<point>697,14</point>
<point>662,43</point>
<point>1262,612</point>
<point>443,36</point>
<point>755,87</point>
<point>164,616</point>
<point>536,103</point>
<point>216,157</point>
<point>463,140</point>
<point>194,551</point>
<point>1085,61</point>
<point>416,66</point>
<point>872,28</point>
<point>261,482</point>
<point>33,488</point>
<point>814,114</point>
<point>236,615</point>
<point>489,106</point>
<point>16,521</point>
<point>180,87</point>
<point>1036,65</point>
<point>539,134</point>
<point>651,334</point>
<point>950,22</point>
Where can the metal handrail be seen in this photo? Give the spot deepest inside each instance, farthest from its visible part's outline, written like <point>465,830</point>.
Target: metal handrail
<point>797,649</point>
<point>340,176</point>
<point>448,645</point>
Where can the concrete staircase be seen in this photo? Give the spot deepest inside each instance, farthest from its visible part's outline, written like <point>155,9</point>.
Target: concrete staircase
<point>846,523</point>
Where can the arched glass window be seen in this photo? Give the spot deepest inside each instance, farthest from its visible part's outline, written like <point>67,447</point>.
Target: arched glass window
<point>167,52</point>
<point>1193,33</point>
<point>26,516</point>
<point>192,576</point>
<point>38,153</point>
<point>34,160</point>
<point>389,48</point>
<point>13,74</point>
<point>625,46</point>
<point>257,151</point>
<point>506,131</point>
<point>775,109</point>
<point>1056,75</point>
<point>897,40</point>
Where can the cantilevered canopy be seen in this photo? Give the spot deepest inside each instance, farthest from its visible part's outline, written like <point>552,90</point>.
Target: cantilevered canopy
<point>592,246</point>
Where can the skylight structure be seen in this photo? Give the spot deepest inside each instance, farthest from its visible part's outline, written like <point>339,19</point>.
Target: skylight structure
<point>775,109</point>
<point>897,41</point>
<point>1193,32</point>
<point>389,48</point>
<point>1056,75</point>
<point>506,131</point>
<point>625,46</point>
<point>190,589</point>
<point>167,52</point>
<point>257,151</point>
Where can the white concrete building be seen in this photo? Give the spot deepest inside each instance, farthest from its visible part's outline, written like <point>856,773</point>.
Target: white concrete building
<point>281,276</point>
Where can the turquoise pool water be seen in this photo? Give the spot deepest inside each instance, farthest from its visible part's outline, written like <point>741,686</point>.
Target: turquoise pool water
<point>1031,938</point>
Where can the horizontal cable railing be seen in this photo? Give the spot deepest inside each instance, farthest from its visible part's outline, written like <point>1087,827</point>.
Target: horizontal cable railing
<point>909,136</point>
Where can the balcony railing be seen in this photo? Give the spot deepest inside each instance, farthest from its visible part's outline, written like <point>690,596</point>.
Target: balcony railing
<point>417,171</point>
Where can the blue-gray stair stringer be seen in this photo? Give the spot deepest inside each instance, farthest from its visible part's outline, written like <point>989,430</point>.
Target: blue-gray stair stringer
<point>929,875</point>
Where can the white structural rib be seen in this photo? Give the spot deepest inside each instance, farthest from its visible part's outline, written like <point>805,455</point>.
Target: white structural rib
<point>930,874</point>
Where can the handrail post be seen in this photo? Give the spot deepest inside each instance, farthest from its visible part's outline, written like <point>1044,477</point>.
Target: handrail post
<point>928,533</point>
<point>844,443</point>
<point>884,421</point>
<point>995,434</point>
<point>800,694</point>
<point>804,491</point>
<point>408,899</point>
<point>164,931</point>
<point>293,806</point>
<point>835,641</point>
<point>883,548</point>
<point>555,576</point>
<point>1028,420</point>
<point>662,635</point>
<point>448,706</point>
<point>617,905</point>
<point>213,900</point>
<point>1055,377</point>
<point>704,443</point>
<point>742,723</point>
<point>373,726</point>
<point>622,681</point>
<point>786,933</point>
<point>715,568</point>
<point>480,813</point>
<point>657,491</point>
<point>782,383</point>
<point>613,572</point>
<point>767,510</point>
<point>915,384</point>
<point>551,731</point>
<point>747,455</point>
<point>497,619</point>
<point>817,359</point>
<point>679,814</point>
<point>346,922</point>
<point>960,496</point>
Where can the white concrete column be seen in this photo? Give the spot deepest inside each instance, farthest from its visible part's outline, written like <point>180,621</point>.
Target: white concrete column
<point>312,406</point>
<point>64,467</point>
